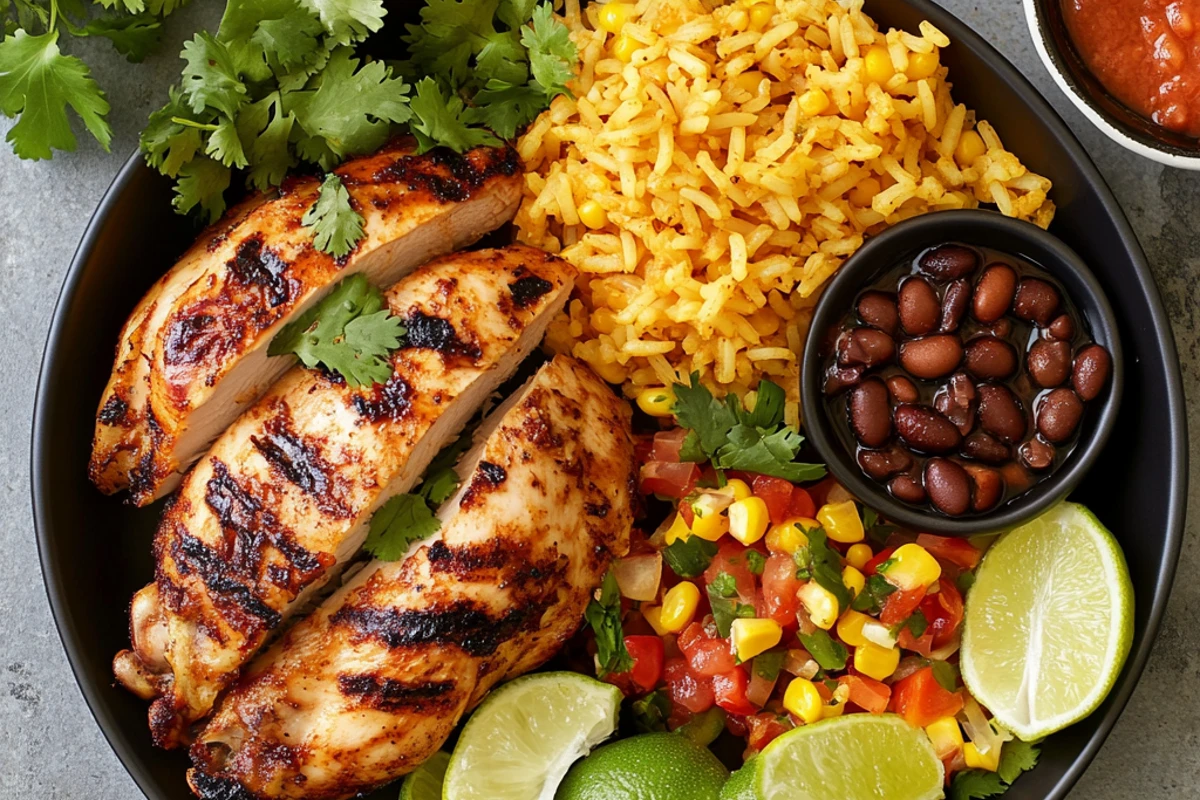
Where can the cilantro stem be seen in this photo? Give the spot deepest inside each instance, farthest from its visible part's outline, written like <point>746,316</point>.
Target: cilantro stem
<point>191,123</point>
<point>53,15</point>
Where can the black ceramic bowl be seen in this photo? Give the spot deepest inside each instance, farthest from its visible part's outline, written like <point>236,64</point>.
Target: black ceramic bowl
<point>1124,126</point>
<point>882,253</point>
<point>95,551</point>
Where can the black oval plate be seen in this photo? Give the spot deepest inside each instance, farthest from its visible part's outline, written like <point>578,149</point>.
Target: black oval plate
<point>95,551</point>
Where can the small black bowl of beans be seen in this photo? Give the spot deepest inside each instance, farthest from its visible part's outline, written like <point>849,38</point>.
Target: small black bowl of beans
<point>962,372</point>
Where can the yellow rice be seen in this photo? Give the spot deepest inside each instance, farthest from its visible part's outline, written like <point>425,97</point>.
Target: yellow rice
<point>727,206</point>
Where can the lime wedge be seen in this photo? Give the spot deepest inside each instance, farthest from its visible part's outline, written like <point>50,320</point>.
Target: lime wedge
<point>521,741</point>
<point>653,766</point>
<point>855,757</point>
<point>1048,622</point>
<point>425,782</point>
<point>740,785</point>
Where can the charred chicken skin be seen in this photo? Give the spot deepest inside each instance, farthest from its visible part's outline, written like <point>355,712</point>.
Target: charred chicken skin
<point>372,683</point>
<point>193,355</point>
<point>284,497</point>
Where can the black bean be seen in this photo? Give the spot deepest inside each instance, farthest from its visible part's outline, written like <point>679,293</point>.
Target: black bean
<point>907,489</point>
<point>994,294</point>
<point>1058,415</point>
<point>918,307</point>
<point>948,262</point>
<point>1001,414</point>
<point>878,309</point>
<point>882,464</point>
<point>1036,301</point>
<point>948,486</point>
<point>989,358</point>
<point>1049,362</point>
<point>982,446</point>
<point>870,413</point>
<point>926,430</point>
<point>954,305</point>
<point>1090,373</point>
<point>865,347</point>
<point>931,356</point>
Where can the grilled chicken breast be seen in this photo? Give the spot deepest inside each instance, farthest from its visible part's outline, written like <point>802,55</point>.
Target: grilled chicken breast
<point>194,353</point>
<point>285,495</point>
<point>372,683</point>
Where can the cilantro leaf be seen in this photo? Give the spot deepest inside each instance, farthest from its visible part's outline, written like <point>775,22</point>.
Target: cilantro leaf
<point>603,613</point>
<point>976,784</point>
<point>348,21</point>
<point>916,624</point>
<point>506,108</point>
<point>689,558</point>
<point>874,592</point>
<point>452,32</point>
<point>829,653</point>
<point>348,332</point>
<point>650,712</point>
<point>37,83</point>
<point>289,40</point>
<point>166,143</point>
<point>225,146</point>
<point>1016,757</point>
<point>551,51</point>
<point>268,131</point>
<point>336,225</point>
<point>210,77</point>
<point>441,121</point>
<point>402,520</point>
<point>767,665</point>
<point>515,13</point>
<point>704,415</point>
<point>826,567</point>
<point>131,36</point>
<point>723,584</point>
<point>768,407</point>
<point>771,454</point>
<point>725,609</point>
<point>755,562</point>
<point>202,182</point>
<point>946,674</point>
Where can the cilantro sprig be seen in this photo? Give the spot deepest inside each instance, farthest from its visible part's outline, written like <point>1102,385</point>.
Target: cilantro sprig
<point>1016,757</point>
<point>603,613</point>
<point>730,437</point>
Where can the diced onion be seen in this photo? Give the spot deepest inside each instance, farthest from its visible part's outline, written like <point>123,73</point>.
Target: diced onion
<point>801,664</point>
<point>979,730</point>
<point>948,649</point>
<point>908,665</point>
<point>638,576</point>
<point>759,690</point>
<point>878,633</point>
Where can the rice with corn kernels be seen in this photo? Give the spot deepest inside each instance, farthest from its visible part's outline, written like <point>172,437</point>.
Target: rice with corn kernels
<point>717,165</point>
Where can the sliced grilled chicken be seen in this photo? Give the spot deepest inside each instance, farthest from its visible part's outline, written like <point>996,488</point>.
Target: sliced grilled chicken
<point>194,353</point>
<point>372,683</point>
<point>284,497</point>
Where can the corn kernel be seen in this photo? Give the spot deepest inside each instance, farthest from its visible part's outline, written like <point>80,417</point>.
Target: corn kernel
<point>977,760</point>
<point>858,555</point>
<point>748,520</point>
<point>865,191</point>
<point>850,627</point>
<point>679,606</point>
<point>625,46</point>
<point>803,701</point>
<point>738,488</point>
<point>760,15</point>
<point>835,708</point>
<point>819,602</point>
<point>853,580</point>
<point>679,531</point>
<point>912,567</point>
<point>593,214</point>
<point>874,661</point>
<point>841,522</point>
<point>946,736</point>
<point>657,401</point>
<point>814,102</point>
<point>879,64</point>
<point>653,615</point>
<point>788,537</point>
<point>707,521</point>
<point>613,16</point>
<point>749,81</point>
<point>970,147</point>
<point>753,636</point>
<point>921,65</point>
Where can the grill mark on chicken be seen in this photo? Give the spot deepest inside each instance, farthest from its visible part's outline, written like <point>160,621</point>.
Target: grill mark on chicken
<point>215,787</point>
<point>191,339</point>
<point>390,401</point>
<point>113,411</point>
<point>388,694</point>
<point>488,477</point>
<point>146,472</point>
<point>446,175</point>
<point>461,623</point>
<point>597,509</point>
<point>468,563</point>
<point>428,332</point>
<point>256,265</point>
<point>526,291</point>
<point>300,462</point>
<point>236,601</point>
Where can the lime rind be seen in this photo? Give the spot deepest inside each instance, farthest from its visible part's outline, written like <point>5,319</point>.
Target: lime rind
<point>650,766</point>
<point>425,782</point>
<point>524,737</point>
<point>1049,622</point>
<point>855,757</point>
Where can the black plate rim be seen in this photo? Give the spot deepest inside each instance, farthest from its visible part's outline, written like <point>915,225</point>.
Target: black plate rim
<point>962,36</point>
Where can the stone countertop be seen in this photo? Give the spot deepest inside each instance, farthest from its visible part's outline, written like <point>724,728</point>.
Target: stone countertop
<point>50,747</point>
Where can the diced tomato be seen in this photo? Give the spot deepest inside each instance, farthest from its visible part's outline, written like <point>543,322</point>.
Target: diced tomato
<point>866,693</point>
<point>706,655</point>
<point>763,729</point>
<point>776,493</point>
<point>943,611</point>
<point>729,690</point>
<point>872,566</point>
<point>693,692</point>
<point>921,700</point>
<point>642,448</point>
<point>669,479</point>
<point>667,444</point>
<point>948,548</point>
<point>731,559</point>
<point>922,644</point>
<point>820,491</point>
<point>802,504</point>
<point>779,588</point>
<point>647,653</point>
<point>900,605</point>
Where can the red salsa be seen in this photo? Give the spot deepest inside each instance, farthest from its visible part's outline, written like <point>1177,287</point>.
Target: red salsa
<point>1146,53</point>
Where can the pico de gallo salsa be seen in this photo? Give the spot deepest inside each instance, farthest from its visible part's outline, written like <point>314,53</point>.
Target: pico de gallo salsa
<point>760,603</point>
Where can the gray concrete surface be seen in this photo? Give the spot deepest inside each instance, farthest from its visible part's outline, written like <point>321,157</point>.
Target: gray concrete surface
<point>49,745</point>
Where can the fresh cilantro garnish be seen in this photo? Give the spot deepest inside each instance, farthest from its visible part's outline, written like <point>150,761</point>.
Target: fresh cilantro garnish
<point>724,584</point>
<point>732,438</point>
<point>965,581</point>
<point>1016,757</point>
<point>825,566</point>
<point>441,481</point>
<point>603,613</point>
<point>916,624</point>
<point>946,674</point>
<point>402,520</point>
<point>650,712</point>
<point>133,36</point>
<point>725,610</point>
<point>337,227</point>
<point>440,120</point>
<point>768,664</point>
<point>755,562</point>
<point>689,558</point>
<point>878,531</point>
<point>552,54</point>
<point>976,784</point>
<point>829,653</point>
<point>873,595</point>
<point>349,332</point>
